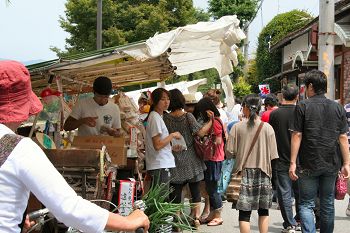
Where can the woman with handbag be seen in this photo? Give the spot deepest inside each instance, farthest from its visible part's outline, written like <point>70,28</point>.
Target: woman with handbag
<point>253,144</point>
<point>212,158</point>
<point>189,168</point>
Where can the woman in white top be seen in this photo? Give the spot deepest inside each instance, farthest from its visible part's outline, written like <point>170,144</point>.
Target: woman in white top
<point>25,168</point>
<point>159,157</point>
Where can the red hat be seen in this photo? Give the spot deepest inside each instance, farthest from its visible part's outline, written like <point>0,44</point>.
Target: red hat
<point>17,100</point>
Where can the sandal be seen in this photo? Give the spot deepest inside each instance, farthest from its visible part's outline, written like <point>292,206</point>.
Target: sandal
<point>196,223</point>
<point>203,218</point>
<point>215,222</point>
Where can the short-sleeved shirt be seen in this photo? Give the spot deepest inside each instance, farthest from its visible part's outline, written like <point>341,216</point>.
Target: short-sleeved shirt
<point>347,109</point>
<point>219,150</point>
<point>108,116</point>
<point>320,121</point>
<point>281,121</point>
<point>162,158</point>
<point>265,117</point>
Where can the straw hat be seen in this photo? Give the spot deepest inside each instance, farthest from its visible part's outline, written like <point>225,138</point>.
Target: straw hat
<point>190,98</point>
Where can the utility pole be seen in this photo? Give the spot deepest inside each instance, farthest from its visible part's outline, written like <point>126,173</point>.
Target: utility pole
<point>246,41</point>
<point>245,50</point>
<point>99,25</point>
<point>326,44</point>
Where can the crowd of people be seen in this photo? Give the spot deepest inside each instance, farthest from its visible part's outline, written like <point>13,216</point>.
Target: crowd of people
<point>290,151</point>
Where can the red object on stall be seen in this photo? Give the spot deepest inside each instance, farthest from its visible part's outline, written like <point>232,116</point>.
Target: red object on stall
<point>49,92</point>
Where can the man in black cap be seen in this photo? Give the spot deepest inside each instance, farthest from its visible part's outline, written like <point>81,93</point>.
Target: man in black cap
<point>97,115</point>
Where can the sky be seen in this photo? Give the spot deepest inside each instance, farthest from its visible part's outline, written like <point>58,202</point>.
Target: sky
<point>30,28</point>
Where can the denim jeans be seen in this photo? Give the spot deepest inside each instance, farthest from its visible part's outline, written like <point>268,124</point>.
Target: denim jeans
<point>214,196</point>
<point>311,182</point>
<point>285,190</point>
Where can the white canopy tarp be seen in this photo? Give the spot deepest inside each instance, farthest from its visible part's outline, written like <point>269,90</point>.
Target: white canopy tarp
<point>196,47</point>
<point>184,86</point>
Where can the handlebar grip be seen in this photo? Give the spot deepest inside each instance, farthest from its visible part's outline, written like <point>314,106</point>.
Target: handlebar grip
<point>37,214</point>
<point>140,230</point>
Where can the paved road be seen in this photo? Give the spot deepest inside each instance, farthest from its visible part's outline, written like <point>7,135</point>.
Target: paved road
<point>230,217</point>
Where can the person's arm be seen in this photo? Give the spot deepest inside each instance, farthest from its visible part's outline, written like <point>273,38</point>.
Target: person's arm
<point>295,145</point>
<point>344,148</point>
<point>159,143</point>
<point>72,123</point>
<point>205,129</point>
<point>218,131</point>
<point>112,131</point>
<point>37,174</point>
<point>129,223</point>
<point>116,126</point>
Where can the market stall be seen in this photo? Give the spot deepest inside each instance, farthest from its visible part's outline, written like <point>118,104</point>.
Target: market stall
<point>182,51</point>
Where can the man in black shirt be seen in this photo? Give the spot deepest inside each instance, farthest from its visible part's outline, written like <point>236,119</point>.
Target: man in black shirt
<point>281,120</point>
<point>319,141</point>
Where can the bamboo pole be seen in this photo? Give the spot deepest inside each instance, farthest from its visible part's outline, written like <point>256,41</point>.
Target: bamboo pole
<point>33,126</point>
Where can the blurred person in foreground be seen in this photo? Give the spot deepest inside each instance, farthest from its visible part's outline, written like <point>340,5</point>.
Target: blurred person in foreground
<point>24,168</point>
<point>320,143</point>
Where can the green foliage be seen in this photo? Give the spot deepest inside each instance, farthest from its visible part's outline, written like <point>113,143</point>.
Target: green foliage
<point>269,63</point>
<point>241,88</point>
<point>123,21</point>
<point>244,9</point>
<point>158,209</point>
<point>252,76</point>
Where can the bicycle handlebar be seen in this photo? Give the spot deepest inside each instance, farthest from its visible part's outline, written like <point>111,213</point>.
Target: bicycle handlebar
<point>42,212</point>
<point>37,214</point>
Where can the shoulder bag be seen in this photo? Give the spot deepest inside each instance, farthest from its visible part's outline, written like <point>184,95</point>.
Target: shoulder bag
<point>234,186</point>
<point>205,146</point>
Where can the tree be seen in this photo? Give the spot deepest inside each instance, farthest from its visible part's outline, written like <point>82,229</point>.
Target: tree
<point>268,63</point>
<point>244,9</point>
<point>252,76</point>
<point>124,21</point>
<point>241,88</point>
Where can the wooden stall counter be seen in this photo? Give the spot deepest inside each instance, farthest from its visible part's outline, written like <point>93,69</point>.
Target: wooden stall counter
<point>115,147</point>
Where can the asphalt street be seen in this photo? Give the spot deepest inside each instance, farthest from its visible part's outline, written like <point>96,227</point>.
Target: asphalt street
<point>230,217</point>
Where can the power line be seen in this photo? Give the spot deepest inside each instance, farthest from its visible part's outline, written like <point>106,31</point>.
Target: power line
<point>256,12</point>
<point>262,17</point>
